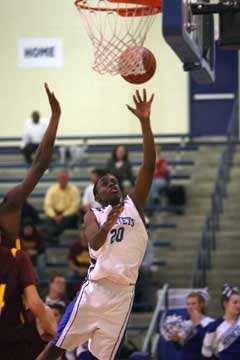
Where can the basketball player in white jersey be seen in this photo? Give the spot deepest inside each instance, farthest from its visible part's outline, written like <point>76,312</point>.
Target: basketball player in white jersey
<point>117,242</point>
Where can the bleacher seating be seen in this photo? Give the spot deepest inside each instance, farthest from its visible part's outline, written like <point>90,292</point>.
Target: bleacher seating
<point>13,170</point>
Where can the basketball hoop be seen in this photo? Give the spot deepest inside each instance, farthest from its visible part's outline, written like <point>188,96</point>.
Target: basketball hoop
<point>114,26</point>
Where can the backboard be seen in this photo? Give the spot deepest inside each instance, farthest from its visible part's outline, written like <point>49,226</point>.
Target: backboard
<point>191,37</point>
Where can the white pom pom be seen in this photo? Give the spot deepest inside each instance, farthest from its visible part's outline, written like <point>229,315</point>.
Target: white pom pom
<point>176,326</point>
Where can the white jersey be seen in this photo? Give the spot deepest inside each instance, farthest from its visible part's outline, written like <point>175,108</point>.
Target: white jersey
<point>122,253</point>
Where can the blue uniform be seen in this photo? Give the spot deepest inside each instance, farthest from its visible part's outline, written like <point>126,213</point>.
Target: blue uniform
<point>222,338</point>
<point>191,350</point>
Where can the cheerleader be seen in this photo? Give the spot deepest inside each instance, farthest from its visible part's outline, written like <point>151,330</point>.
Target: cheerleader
<point>196,327</point>
<point>223,335</point>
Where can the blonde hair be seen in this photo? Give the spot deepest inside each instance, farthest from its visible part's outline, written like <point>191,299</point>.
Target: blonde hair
<point>201,300</point>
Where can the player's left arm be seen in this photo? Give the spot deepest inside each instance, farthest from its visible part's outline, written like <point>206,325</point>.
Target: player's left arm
<point>16,197</point>
<point>96,235</point>
<point>143,183</point>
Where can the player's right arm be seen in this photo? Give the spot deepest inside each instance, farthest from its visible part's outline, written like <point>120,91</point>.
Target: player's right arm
<point>96,235</point>
<point>16,197</point>
<point>38,308</point>
<point>143,183</point>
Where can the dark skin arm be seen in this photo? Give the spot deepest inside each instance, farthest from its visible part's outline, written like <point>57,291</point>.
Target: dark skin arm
<point>143,183</point>
<point>97,235</point>
<point>10,208</point>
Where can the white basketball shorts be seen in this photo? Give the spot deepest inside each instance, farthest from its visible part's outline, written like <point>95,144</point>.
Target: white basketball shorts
<point>100,313</point>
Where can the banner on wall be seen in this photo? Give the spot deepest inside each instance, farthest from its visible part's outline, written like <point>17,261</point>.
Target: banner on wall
<point>40,52</point>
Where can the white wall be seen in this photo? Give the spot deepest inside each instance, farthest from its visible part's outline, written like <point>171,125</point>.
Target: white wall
<point>91,103</point>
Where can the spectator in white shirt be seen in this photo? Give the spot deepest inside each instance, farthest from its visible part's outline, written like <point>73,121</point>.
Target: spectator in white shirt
<point>88,199</point>
<point>33,132</point>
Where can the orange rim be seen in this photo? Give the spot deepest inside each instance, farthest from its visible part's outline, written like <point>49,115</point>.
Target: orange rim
<point>133,11</point>
<point>149,3</point>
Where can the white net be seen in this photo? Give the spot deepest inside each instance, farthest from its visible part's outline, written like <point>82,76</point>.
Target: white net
<point>117,40</point>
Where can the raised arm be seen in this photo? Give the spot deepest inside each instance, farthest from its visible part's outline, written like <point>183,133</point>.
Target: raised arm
<point>146,171</point>
<point>16,197</point>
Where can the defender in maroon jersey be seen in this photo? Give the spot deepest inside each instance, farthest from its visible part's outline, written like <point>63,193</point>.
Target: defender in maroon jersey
<point>16,273</point>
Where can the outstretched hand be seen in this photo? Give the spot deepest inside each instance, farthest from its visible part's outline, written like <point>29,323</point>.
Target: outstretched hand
<point>54,104</point>
<point>143,106</point>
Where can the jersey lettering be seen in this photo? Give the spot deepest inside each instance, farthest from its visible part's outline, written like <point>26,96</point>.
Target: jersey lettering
<point>126,220</point>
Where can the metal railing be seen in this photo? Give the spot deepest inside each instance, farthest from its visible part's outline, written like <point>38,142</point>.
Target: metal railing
<point>182,138</point>
<point>151,338</point>
<point>207,242</point>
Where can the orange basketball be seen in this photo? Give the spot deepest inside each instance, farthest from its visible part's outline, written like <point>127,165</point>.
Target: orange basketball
<point>149,64</point>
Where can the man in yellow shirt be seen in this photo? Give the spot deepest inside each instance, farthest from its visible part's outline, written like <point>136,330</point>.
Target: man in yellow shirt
<point>61,206</point>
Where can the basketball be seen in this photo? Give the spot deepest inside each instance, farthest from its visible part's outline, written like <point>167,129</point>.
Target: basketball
<point>148,61</point>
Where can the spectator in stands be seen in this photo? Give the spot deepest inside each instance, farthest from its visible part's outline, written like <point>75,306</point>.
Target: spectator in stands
<point>29,212</point>
<point>160,181</point>
<point>143,291</point>
<point>88,199</point>
<point>71,155</point>
<point>33,132</point>
<point>78,261</point>
<point>191,346</point>
<point>61,205</point>
<point>223,336</point>
<point>56,290</point>
<point>34,244</point>
<point>119,166</point>
<point>58,310</point>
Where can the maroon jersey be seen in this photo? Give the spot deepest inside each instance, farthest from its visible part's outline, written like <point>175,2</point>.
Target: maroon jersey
<point>16,274</point>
